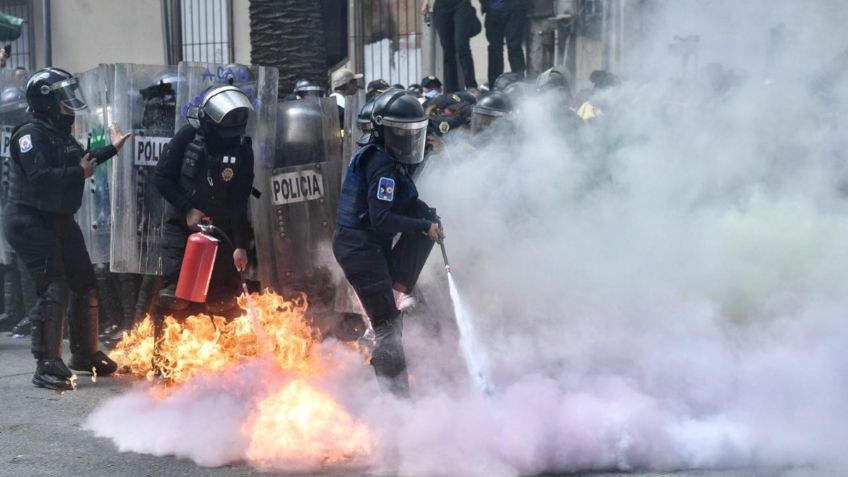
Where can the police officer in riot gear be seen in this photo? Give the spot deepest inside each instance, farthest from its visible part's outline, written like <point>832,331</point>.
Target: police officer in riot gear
<point>379,201</point>
<point>490,108</point>
<point>47,175</point>
<point>306,88</point>
<point>206,170</point>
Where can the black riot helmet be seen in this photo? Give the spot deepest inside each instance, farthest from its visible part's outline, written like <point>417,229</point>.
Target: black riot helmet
<point>400,125</point>
<point>306,88</point>
<point>223,111</point>
<point>363,122</point>
<point>49,89</point>
<point>489,109</point>
<point>553,79</point>
<point>506,79</point>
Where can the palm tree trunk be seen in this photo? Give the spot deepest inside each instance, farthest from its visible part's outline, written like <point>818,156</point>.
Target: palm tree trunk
<point>289,35</point>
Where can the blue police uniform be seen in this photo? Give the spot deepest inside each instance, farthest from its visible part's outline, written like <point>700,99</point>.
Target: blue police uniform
<point>378,201</point>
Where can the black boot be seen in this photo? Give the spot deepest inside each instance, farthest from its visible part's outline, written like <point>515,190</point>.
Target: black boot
<point>22,328</point>
<point>85,320</point>
<point>388,358</point>
<point>51,373</point>
<point>47,329</point>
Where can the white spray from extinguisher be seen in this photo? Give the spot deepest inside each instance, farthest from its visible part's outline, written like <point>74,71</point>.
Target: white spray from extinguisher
<point>475,357</point>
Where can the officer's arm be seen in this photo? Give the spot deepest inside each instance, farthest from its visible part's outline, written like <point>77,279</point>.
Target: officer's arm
<point>103,154</point>
<point>383,219</point>
<point>241,194</point>
<point>166,175</point>
<point>37,167</point>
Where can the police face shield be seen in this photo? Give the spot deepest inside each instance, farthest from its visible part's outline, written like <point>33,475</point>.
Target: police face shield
<point>69,96</point>
<point>405,141</point>
<point>481,121</point>
<point>234,123</point>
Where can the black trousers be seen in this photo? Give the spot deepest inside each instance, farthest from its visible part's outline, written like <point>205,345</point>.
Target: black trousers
<point>511,26</point>
<point>453,25</point>
<point>54,253</point>
<point>372,268</point>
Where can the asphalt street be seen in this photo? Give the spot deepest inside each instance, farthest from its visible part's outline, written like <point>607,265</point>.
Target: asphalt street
<point>41,434</point>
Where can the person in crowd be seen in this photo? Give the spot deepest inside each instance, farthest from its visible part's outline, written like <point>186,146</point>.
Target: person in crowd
<point>46,182</point>
<point>379,200</point>
<point>506,20</point>
<point>430,87</point>
<point>206,171</point>
<point>455,22</point>
<point>375,88</point>
<point>345,83</point>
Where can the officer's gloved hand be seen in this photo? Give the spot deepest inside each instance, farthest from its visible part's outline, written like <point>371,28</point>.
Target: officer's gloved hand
<point>119,139</point>
<point>88,163</point>
<point>435,233</point>
<point>193,219</point>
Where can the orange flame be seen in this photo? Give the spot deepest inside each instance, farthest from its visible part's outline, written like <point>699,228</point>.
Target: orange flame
<point>299,426</point>
<point>201,343</point>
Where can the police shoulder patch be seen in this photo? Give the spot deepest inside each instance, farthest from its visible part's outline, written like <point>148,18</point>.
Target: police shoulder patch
<point>386,189</point>
<point>25,143</point>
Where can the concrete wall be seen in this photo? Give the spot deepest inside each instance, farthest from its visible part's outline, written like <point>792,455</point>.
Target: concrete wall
<point>89,32</point>
<point>241,31</point>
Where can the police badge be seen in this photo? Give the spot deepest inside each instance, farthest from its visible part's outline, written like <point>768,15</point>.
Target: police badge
<point>227,174</point>
<point>444,127</point>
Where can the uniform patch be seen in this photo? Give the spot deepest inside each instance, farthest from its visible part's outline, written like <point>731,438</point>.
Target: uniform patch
<point>25,143</point>
<point>386,189</point>
<point>227,174</point>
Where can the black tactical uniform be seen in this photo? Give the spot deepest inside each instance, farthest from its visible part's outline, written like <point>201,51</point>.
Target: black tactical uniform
<point>45,190</point>
<point>210,169</point>
<point>379,200</point>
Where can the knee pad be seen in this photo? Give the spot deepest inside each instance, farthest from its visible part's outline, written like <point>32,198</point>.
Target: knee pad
<point>90,298</point>
<point>57,292</point>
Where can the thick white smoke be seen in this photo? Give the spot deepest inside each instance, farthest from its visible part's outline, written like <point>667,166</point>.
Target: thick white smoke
<point>663,289</point>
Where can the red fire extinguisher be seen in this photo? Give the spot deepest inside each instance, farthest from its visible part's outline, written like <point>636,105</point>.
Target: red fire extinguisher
<point>198,261</point>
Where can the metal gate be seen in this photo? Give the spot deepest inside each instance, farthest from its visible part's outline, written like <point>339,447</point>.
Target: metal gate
<point>387,40</point>
<point>23,51</point>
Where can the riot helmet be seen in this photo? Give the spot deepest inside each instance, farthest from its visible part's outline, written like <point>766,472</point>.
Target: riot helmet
<point>506,79</point>
<point>363,122</point>
<point>489,109</point>
<point>306,88</point>
<point>400,125</point>
<point>13,105</point>
<point>50,90</point>
<point>553,79</point>
<point>224,111</point>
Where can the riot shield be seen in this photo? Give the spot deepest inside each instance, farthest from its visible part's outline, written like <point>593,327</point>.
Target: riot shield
<point>345,299</point>
<point>144,102</point>
<point>305,182</point>
<point>91,129</point>
<point>260,85</point>
<point>12,112</point>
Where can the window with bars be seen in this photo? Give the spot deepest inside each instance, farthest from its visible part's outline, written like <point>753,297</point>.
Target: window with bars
<point>207,30</point>
<point>22,48</point>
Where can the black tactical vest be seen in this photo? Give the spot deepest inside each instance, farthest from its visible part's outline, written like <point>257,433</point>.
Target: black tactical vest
<point>207,179</point>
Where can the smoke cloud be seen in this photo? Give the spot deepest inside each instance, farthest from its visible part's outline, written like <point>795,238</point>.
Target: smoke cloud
<point>663,289</point>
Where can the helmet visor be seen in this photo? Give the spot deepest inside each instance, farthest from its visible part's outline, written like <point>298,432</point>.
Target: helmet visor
<point>406,141</point>
<point>221,105</point>
<point>483,118</point>
<point>68,94</point>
